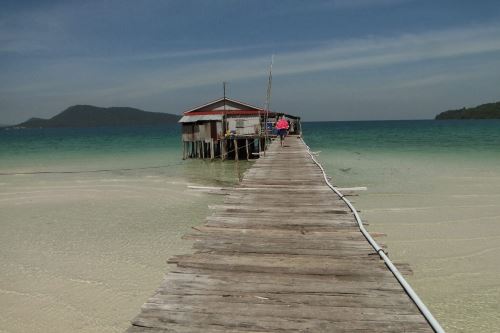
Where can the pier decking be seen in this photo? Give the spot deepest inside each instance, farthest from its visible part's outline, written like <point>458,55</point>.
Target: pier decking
<point>282,254</point>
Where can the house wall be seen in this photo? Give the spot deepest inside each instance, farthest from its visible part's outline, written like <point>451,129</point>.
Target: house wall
<point>201,131</point>
<point>189,132</point>
<point>244,125</point>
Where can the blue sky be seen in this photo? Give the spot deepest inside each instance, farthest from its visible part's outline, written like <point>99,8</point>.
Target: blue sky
<point>334,60</point>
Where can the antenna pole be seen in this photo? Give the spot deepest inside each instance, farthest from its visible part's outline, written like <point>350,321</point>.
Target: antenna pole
<point>224,125</point>
<point>268,99</point>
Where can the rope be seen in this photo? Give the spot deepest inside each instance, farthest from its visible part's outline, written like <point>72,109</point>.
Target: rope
<point>406,286</point>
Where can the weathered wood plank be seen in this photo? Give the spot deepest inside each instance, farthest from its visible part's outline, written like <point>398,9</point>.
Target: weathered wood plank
<point>283,253</point>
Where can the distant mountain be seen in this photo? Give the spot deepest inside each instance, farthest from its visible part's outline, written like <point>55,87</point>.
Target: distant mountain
<point>484,111</point>
<point>93,116</point>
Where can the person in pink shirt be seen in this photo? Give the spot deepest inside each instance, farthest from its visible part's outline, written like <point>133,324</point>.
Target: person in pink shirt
<point>282,127</point>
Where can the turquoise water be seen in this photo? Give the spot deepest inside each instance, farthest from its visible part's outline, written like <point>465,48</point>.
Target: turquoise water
<point>406,136</point>
<point>88,216</point>
<point>31,148</point>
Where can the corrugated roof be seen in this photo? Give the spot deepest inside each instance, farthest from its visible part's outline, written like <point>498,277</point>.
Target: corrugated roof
<point>204,117</point>
<point>246,105</point>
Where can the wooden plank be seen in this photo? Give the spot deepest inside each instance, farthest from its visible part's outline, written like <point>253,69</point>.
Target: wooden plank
<point>283,253</point>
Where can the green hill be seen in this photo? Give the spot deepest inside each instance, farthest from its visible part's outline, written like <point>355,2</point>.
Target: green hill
<point>93,116</point>
<point>484,111</point>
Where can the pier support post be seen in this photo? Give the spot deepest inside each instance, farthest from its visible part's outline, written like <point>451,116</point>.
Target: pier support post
<point>236,157</point>
<point>223,149</point>
<point>248,153</point>
<point>212,149</point>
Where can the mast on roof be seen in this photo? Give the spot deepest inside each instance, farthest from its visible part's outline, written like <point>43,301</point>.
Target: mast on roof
<point>224,126</point>
<point>268,96</point>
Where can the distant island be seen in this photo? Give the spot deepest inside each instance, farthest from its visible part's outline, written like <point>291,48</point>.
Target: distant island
<point>484,111</point>
<point>93,116</point>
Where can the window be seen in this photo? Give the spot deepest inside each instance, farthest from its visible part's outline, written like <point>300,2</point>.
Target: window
<point>240,123</point>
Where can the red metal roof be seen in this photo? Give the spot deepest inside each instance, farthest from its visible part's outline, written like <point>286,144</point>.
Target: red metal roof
<point>207,106</point>
<point>228,112</point>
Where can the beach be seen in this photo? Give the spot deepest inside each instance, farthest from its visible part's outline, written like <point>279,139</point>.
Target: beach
<point>89,217</point>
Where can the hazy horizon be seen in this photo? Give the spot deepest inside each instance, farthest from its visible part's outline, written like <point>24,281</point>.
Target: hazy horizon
<point>335,60</point>
<point>304,121</point>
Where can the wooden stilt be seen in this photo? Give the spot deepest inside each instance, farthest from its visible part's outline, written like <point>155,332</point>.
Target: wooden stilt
<point>224,145</point>
<point>248,153</point>
<point>183,150</point>
<point>221,152</point>
<point>212,149</point>
<point>236,157</point>
<point>203,149</point>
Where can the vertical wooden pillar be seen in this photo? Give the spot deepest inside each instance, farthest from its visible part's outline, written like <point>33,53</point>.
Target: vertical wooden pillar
<point>203,149</point>
<point>212,149</point>
<point>236,157</point>
<point>183,150</point>
<point>221,152</point>
<point>248,153</point>
<point>224,149</point>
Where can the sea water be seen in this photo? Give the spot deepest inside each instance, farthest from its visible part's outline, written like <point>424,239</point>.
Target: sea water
<point>89,216</point>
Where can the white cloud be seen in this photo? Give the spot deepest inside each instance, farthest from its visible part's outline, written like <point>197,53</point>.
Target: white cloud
<point>354,54</point>
<point>335,55</point>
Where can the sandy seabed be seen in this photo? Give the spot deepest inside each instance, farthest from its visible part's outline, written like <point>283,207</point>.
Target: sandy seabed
<point>81,253</point>
<point>441,214</point>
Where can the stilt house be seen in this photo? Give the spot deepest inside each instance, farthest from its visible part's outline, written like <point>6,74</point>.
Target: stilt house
<point>226,128</point>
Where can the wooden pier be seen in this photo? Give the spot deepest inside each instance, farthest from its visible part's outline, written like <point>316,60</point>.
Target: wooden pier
<point>282,254</point>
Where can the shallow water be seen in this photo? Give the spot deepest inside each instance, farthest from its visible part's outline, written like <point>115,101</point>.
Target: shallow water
<point>434,188</point>
<point>81,251</point>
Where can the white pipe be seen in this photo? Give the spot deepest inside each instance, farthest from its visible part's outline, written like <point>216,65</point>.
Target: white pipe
<point>406,286</point>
